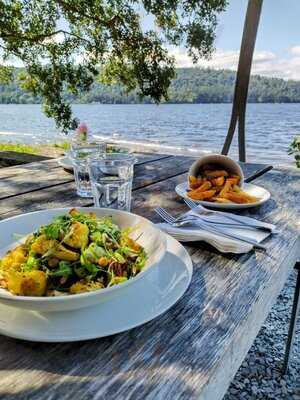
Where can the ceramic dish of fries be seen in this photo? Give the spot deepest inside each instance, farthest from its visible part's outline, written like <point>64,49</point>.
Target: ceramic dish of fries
<point>217,181</point>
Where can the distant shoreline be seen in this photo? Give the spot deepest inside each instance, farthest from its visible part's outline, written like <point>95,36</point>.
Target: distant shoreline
<point>190,86</point>
<point>151,104</point>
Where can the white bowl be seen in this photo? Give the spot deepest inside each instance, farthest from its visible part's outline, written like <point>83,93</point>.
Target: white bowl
<point>221,162</point>
<point>152,239</point>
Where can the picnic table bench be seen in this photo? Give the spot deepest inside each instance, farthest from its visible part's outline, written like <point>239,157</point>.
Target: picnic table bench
<point>194,349</point>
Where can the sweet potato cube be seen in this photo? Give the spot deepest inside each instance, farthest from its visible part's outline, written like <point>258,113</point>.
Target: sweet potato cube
<point>32,283</point>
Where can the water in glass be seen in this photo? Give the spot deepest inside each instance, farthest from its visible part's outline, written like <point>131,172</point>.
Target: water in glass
<point>80,156</point>
<point>111,179</point>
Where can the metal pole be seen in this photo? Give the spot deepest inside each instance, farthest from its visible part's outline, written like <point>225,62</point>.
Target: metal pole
<point>242,78</point>
<point>292,327</point>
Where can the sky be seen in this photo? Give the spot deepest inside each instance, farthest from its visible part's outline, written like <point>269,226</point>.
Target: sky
<point>277,50</point>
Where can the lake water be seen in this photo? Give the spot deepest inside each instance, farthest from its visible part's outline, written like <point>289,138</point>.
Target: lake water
<point>269,127</point>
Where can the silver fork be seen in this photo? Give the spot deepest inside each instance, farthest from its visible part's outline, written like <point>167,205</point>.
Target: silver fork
<point>243,220</point>
<point>195,221</point>
<point>229,223</point>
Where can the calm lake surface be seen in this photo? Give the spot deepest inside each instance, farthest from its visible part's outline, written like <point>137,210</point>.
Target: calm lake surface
<point>269,127</point>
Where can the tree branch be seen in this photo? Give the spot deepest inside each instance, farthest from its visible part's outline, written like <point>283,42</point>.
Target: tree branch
<point>36,38</point>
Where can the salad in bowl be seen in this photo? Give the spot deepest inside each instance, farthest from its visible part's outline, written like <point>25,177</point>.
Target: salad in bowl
<point>78,254</point>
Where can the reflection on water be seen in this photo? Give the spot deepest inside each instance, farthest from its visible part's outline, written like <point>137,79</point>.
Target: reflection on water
<point>270,127</point>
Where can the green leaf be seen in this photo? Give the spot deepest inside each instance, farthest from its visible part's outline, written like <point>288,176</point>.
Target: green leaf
<point>59,226</point>
<point>64,270</point>
<point>32,263</point>
<point>6,74</point>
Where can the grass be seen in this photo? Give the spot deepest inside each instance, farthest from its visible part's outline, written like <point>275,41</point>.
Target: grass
<point>62,146</point>
<point>19,148</point>
<point>51,150</point>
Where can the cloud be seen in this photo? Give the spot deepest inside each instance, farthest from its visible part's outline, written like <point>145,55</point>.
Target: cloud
<point>264,62</point>
<point>295,50</point>
<point>57,38</point>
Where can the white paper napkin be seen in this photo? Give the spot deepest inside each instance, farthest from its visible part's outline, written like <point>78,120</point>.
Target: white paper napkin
<point>223,244</point>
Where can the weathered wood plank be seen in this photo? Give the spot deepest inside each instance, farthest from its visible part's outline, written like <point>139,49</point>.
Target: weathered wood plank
<point>14,171</point>
<point>193,350</point>
<point>31,177</point>
<point>148,157</point>
<point>182,353</point>
<point>52,163</point>
<point>59,194</point>
<point>62,191</point>
<point>8,158</point>
<point>32,181</point>
<point>39,175</point>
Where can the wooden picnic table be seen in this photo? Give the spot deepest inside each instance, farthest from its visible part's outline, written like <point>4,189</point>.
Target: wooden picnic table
<point>194,349</point>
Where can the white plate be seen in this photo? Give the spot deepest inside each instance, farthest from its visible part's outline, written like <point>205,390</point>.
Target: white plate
<point>151,297</point>
<point>151,238</point>
<point>257,191</point>
<point>66,163</point>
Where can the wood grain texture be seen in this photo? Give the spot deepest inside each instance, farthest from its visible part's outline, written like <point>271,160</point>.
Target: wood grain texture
<point>62,192</point>
<point>8,158</point>
<point>39,175</point>
<point>194,349</point>
<point>51,196</point>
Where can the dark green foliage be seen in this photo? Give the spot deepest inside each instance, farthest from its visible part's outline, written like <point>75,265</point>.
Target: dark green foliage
<point>97,35</point>
<point>295,150</point>
<point>191,85</point>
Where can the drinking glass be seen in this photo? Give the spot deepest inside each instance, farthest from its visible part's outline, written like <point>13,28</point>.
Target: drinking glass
<point>111,180</point>
<point>79,155</point>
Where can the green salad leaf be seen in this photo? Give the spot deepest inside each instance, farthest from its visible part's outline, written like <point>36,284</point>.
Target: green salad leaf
<point>64,270</point>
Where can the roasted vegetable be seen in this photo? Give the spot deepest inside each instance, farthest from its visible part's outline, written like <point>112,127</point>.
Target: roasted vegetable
<point>42,245</point>
<point>52,248</point>
<point>63,253</point>
<point>85,286</point>
<point>14,259</point>
<point>78,236</point>
<point>32,283</point>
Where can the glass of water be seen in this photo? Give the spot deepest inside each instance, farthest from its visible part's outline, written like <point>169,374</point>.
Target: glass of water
<point>111,179</point>
<point>80,155</point>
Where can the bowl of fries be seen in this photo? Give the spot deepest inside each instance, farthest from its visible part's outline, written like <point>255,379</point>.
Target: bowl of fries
<point>219,179</point>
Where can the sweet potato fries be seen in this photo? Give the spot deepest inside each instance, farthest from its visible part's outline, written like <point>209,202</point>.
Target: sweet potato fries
<point>218,186</point>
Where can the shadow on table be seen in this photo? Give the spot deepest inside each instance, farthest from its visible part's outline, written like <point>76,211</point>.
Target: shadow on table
<point>113,362</point>
<point>89,390</point>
